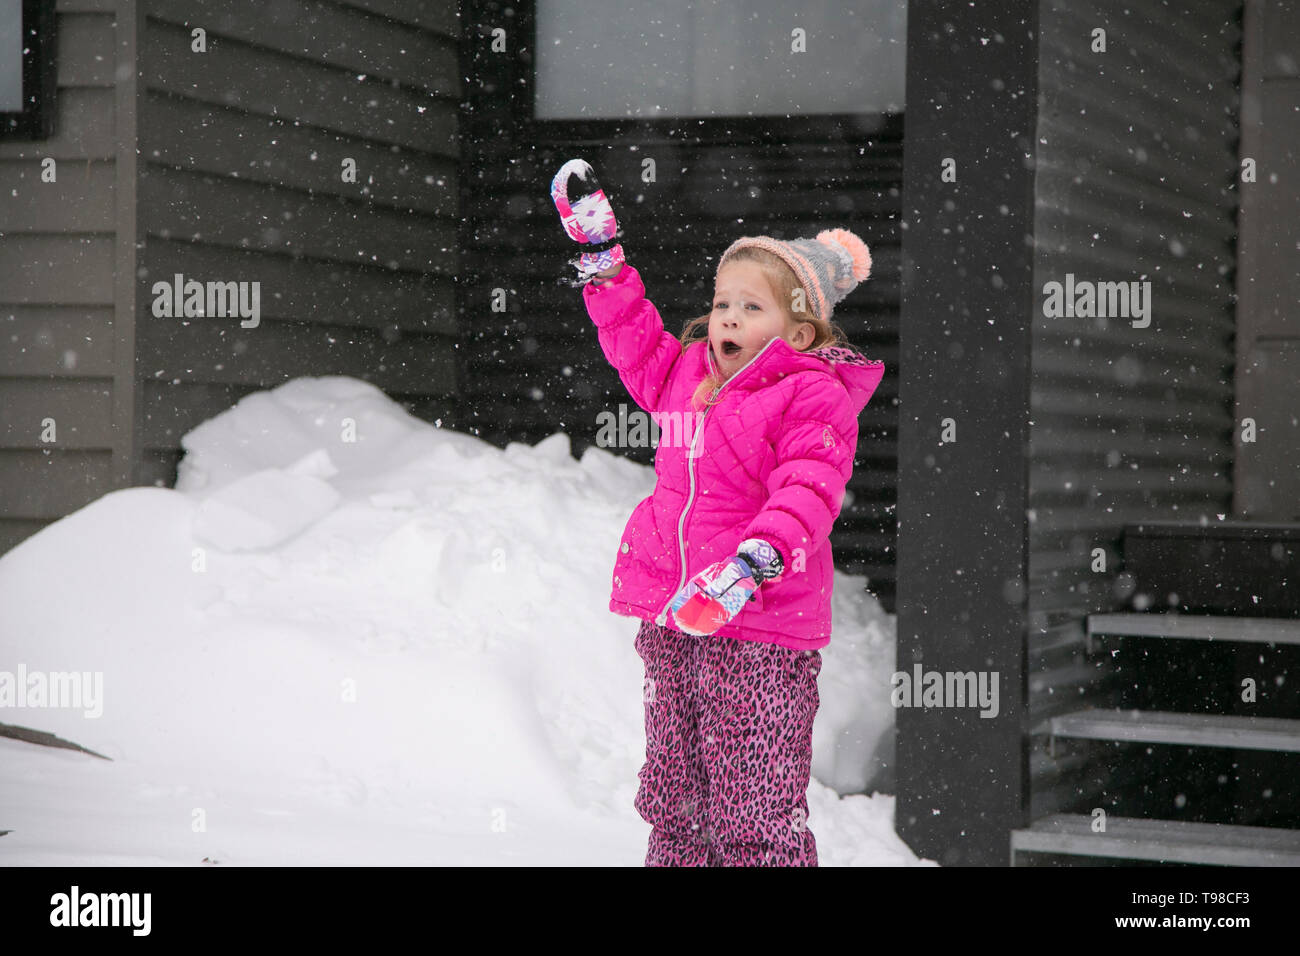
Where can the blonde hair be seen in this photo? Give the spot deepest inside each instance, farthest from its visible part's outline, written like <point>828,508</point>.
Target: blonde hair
<point>783,282</point>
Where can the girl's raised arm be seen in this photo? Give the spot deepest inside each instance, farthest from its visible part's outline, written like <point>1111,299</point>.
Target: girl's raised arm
<point>632,336</point>
<point>629,327</point>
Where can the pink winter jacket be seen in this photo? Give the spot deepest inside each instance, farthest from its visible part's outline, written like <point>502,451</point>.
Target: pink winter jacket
<point>771,459</point>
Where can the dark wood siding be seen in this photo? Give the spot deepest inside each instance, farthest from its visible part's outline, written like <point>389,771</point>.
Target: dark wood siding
<point>57,253</point>
<point>537,368</point>
<point>1136,173</point>
<point>242,150</point>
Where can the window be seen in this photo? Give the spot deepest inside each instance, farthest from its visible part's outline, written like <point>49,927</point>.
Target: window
<point>27,72</point>
<point>642,59</point>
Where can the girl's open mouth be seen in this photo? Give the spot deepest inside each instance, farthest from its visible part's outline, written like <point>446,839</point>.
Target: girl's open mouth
<point>730,348</point>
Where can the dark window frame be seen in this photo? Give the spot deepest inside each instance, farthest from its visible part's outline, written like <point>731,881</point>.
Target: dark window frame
<point>40,76</point>
<point>803,127</point>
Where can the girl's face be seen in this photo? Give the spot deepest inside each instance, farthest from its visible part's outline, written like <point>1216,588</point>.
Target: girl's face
<point>746,317</point>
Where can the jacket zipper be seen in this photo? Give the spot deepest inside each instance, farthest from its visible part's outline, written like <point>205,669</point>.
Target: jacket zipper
<point>662,619</point>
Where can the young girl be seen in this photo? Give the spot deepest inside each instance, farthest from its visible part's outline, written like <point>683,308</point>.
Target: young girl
<point>727,562</point>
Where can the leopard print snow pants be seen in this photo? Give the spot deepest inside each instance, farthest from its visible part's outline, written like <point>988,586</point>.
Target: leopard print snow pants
<point>728,750</point>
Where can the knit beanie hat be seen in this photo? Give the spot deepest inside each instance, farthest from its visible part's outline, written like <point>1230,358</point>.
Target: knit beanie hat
<point>828,266</point>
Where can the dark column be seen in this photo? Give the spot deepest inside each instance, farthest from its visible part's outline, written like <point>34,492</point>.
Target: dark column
<point>964,355</point>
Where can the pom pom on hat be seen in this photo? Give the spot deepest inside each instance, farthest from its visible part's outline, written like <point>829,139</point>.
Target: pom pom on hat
<point>855,247</point>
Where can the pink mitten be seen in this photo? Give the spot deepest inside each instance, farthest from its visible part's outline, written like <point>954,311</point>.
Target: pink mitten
<point>715,595</point>
<point>587,216</point>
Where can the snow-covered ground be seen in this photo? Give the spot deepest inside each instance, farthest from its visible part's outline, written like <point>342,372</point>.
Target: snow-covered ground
<point>349,636</point>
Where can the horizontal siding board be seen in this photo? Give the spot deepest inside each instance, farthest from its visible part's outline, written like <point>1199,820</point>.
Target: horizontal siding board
<point>1062,772</point>
<point>1050,641</point>
<point>1071,441</point>
<point>229,212</point>
<point>324,293</point>
<point>882,443</point>
<point>79,200</point>
<point>1068,593</point>
<point>1065,548</point>
<point>82,130</point>
<point>58,341</point>
<point>1074,589</point>
<point>868,536</point>
<point>436,16</point>
<point>330,34</point>
<point>872,485</point>
<point>220,351</point>
<point>1116,340</point>
<point>1070,548</point>
<point>203,137</point>
<point>1069,684</point>
<point>1150,374</point>
<point>85,6</point>
<point>270,84</point>
<point>46,485</point>
<point>1063,485</point>
<point>1150,487</point>
<point>1101,521</point>
<point>81,411</point>
<point>1157,414</point>
<point>85,54</point>
<point>56,270</point>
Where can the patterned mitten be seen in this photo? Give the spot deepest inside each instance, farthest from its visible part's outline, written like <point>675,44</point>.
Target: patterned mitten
<point>716,595</point>
<point>588,220</point>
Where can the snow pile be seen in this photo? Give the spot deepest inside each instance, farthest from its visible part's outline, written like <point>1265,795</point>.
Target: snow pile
<point>351,637</point>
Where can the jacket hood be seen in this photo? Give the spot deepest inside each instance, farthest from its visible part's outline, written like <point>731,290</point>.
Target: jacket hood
<point>778,358</point>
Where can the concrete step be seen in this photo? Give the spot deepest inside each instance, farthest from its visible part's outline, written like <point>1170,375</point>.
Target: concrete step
<point>1204,627</point>
<point>1163,841</point>
<point>1164,727</point>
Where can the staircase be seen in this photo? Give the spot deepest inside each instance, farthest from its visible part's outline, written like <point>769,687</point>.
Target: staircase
<point>1235,621</point>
